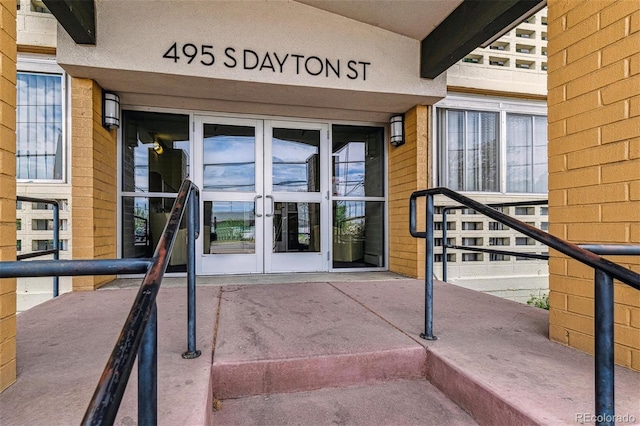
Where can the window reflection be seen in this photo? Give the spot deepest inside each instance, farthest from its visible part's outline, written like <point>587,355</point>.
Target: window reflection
<point>229,158</point>
<point>39,126</point>
<point>143,221</point>
<point>358,168</point>
<point>230,227</point>
<point>156,153</point>
<point>296,160</point>
<point>296,227</point>
<point>358,234</point>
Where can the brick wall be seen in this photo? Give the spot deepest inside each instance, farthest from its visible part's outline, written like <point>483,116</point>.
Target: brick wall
<point>409,171</point>
<point>594,161</point>
<point>8,192</point>
<point>94,171</point>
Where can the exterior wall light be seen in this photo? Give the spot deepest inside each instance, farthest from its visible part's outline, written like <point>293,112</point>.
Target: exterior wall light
<point>110,110</point>
<point>158,148</point>
<point>397,129</point>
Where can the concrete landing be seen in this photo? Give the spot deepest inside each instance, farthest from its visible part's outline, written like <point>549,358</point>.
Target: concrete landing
<point>316,353</point>
<point>64,343</point>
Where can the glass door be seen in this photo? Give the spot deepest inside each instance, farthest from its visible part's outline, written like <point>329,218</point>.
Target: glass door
<point>229,173</point>
<point>296,197</point>
<point>264,196</point>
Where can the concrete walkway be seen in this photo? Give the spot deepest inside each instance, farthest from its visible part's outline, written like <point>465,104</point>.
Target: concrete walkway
<point>317,352</point>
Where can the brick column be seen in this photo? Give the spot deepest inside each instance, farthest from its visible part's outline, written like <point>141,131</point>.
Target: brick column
<point>93,180</point>
<point>594,161</point>
<point>8,56</point>
<point>409,171</point>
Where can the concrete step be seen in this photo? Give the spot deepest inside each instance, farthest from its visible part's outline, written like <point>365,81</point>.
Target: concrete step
<point>493,357</point>
<point>291,338</point>
<point>400,402</point>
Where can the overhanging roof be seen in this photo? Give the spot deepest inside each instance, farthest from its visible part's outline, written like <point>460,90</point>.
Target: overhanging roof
<point>449,29</point>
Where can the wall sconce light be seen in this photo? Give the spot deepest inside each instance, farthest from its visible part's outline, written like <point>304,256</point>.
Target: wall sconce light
<point>110,110</point>
<point>397,129</point>
<point>158,148</point>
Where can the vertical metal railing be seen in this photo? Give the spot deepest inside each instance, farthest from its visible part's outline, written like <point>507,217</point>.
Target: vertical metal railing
<point>605,272</point>
<point>139,335</point>
<point>56,237</point>
<point>192,235</point>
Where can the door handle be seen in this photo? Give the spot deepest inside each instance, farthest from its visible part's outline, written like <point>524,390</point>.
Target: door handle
<point>273,208</point>
<point>255,205</point>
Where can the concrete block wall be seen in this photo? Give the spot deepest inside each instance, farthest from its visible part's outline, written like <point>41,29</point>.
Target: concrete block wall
<point>93,180</point>
<point>409,171</point>
<point>8,58</point>
<point>594,161</point>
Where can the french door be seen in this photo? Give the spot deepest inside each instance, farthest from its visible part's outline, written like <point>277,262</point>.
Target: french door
<point>264,195</point>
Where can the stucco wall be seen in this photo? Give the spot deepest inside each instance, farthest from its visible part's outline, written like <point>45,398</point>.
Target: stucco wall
<point>211,55</point>
<point>8,193</point>
<point>594,161</point>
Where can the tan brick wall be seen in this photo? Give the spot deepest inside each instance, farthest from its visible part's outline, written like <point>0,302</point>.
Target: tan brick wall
<point>8,57</point>
<point>594,161</point>
<point>93,179</point>
<point>409,171</point>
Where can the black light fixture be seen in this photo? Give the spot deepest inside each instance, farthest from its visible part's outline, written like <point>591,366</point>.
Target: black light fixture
<point>397,129</point>
<point>110,110</point>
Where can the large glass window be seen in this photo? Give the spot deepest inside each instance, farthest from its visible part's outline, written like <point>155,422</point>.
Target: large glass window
<point>39,120</point>
<point>472,150</point>
<point>358,197</point>
<point>155,154</point>
<point>155,161</point>
<point>478,154</point>
<point>526,153</point>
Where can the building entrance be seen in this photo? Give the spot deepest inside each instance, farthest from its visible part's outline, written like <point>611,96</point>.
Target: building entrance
<point>264,195</point>
<point>277,195</point>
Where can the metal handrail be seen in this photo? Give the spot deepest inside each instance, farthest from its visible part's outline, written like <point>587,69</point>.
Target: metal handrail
<point>445,211</point>
<point>56,237</point>
<point>139,334</point>
<point>605,272</point>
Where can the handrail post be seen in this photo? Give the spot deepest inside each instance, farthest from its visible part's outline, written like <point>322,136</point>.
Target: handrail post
<point>148,372</point>
<point>428,273</point>
<point>444,244</point>
<point>192,225</point>
<point>604,348</point>
<point>56,244</point>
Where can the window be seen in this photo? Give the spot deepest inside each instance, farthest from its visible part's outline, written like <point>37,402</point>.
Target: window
<point>62,205</point>
<point>155,161</point>
<point>471,144</point>
<point>358,196</point>
<point>526,153</point>
<point>40,245</point>
<point>492,146</point>
<point>42,224</point>
<point>39,121</point>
